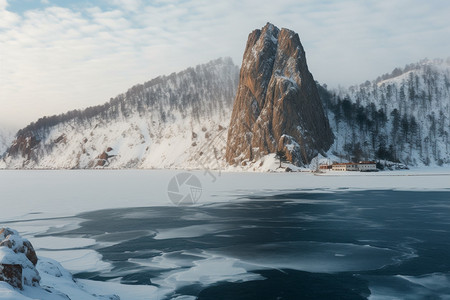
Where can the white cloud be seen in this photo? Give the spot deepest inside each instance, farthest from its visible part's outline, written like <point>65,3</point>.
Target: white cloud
<point>54,59</point>
<point>3,4</point>
<point>7,18</point>
<point>128,5</point>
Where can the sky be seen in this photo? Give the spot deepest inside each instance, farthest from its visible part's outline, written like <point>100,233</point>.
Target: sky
<point>58,55</point>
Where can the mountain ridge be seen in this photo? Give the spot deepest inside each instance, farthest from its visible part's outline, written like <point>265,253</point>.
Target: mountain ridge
<point>189,107</point>
<point>181,121</point>
<point>401,116</point>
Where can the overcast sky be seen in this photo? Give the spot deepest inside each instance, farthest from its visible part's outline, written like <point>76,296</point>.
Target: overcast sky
<point>57,55</point>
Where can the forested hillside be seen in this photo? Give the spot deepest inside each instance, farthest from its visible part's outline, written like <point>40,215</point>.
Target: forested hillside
<point>175,121</point>
<point>181,120</point>
<point>401,116</point>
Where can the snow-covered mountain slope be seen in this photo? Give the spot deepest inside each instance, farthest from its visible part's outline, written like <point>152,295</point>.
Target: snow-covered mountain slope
<point>181,120</point>
<point>401,116</point>
<point>175,121</point>
<point>6,137</point>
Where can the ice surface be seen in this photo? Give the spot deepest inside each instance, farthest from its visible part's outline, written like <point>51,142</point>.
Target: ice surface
<point>189,231</point>
<point>75,261</point>
<point>66,193</point>
<point>37,202</point>
<point>436,281</point>
<point>124,291</point>
<point>207,271</point>
<point>315,256</point>
<point>416,287</point>
<point>50,242</point>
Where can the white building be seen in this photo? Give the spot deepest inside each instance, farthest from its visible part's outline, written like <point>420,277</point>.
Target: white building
<point>362,166</point>
<point>345,167</point>
<point>367,166</point>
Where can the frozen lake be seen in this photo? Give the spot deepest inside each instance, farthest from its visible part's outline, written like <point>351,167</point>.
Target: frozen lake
<point>249,236</point>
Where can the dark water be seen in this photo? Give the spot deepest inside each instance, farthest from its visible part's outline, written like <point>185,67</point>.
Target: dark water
<point>344,245</point>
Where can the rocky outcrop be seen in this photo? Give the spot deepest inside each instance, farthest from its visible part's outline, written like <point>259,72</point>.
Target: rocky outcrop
<point>6,137</point>
<point>277,105</point>
<point>11,274</point>
<point>17,260</point>
<point>19,267</point>
<point>24,146</point>
<point>103,159</point>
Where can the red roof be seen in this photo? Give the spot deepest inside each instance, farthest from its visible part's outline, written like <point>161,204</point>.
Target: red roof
<point>354,163</point>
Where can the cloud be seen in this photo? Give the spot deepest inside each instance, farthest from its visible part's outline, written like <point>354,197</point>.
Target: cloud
<point>7,18</point>
<point>58,58</point>
<point>3,4</point>
<point>128,5</point>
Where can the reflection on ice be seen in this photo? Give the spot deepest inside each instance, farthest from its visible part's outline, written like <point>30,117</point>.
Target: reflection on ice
<point>436,282</point>
<point>429,286</point>
<point>314,256</point>
<point>121,236</point>
<point>189,231</point>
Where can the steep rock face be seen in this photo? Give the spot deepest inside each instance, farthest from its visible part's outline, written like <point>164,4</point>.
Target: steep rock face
<point>277,104</point>
<point>6,137</point>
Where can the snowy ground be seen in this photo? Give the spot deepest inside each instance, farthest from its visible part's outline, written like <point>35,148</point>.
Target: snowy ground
<point>33,202</point>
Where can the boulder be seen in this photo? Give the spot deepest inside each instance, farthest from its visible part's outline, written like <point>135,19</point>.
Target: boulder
<point>11,274</point>
<point>17,260</point>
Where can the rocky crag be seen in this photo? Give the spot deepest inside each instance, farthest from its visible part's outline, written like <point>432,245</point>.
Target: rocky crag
<point>277,106</point>
<point>17,260</point>
<point>25,276</point>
